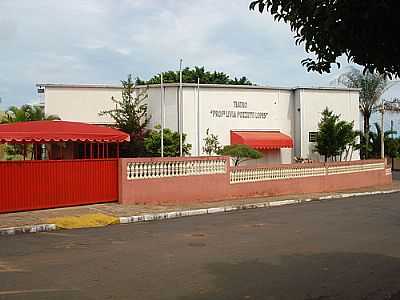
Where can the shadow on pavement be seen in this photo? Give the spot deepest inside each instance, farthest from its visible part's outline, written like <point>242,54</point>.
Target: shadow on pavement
<point>349,276</point>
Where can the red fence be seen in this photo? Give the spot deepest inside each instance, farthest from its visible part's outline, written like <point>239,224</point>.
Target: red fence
<point>28,185</point>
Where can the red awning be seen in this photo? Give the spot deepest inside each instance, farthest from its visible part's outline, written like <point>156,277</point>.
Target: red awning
<point>262,139</point>
<point>59,131</point>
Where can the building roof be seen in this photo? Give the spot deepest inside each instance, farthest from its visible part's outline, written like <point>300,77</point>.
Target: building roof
<point>114,86</point>
<point>59,131</point>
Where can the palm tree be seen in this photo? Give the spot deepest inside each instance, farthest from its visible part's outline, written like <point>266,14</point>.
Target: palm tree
<point>26,113</point>
<point>391,149</point>
<point>392,145</point>
<point>14,114</point>
<point>372,86</point>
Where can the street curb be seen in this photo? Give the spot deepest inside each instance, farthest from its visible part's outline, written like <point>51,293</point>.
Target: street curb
<point>28,229</point>
<point>225,209</point>
<point>196,212</point>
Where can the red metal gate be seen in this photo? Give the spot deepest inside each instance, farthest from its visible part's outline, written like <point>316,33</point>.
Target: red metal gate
<point>28,185</point>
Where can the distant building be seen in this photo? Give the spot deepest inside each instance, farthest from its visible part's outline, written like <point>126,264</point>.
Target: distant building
<point>280,122</point>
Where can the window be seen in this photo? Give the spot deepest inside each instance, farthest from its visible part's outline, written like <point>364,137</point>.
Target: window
<point>312,136</point>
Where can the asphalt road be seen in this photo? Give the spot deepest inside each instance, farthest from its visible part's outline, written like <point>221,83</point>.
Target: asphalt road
<point>341,249</point>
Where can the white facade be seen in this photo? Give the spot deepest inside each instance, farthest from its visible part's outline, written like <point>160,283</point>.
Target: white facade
<point>219,108</point>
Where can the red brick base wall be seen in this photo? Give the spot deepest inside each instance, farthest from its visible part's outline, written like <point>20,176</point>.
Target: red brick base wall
<point>307,185</point>
<point>207,188</point>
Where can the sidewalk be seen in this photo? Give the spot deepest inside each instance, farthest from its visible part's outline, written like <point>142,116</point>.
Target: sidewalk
<point>114,211</point>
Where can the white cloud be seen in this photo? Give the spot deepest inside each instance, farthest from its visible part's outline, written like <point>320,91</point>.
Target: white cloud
<point>97,41</point>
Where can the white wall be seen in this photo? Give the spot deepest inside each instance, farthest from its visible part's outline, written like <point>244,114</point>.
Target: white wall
<point>171,109</point>
<point>298,132</point>
<point>277,103</point>
<point>80,104</point>
<point>313,102</point>
<point>293,112</point>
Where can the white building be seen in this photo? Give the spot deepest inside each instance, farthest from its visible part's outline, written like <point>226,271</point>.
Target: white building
<point>227,111</point>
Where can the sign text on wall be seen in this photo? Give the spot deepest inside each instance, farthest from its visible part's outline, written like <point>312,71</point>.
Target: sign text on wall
<point>240,114</point>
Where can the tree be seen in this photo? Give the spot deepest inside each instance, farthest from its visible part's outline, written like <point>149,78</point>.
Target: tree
<point>335,137</point>
<point>152,143</point>
<point>130,115</point>
<point>2,152</point>
<point>362,30</point>
<point>240,153</point>
<point>391,144</point>
<point>347,139</point>
<point>372,86</point>
<point>37,113</point>
<point>26,113</point>
<point>392,147</point>
<point>191,75</point>
<point>211,144</point>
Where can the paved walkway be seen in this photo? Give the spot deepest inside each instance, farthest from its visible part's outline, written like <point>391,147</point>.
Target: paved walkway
<point>117,210</point>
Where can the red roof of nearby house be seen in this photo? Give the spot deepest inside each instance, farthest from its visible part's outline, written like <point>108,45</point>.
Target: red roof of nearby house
<point>262,139</point>
<point>59,131</point>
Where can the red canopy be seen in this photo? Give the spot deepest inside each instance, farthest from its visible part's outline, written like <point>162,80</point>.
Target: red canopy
<point>262,139</point>
<point>59,131</point>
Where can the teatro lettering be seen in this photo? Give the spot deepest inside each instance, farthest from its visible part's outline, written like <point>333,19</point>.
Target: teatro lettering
<point>241,114</point>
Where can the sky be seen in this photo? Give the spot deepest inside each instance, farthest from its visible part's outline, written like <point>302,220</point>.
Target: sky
<point>102,41</point>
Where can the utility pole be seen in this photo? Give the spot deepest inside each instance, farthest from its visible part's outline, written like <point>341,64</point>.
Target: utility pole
<point>180,110</point>
<point>391,130</point>
<point>382,130</point>
<point>198,116</point>
<point>162,113</point>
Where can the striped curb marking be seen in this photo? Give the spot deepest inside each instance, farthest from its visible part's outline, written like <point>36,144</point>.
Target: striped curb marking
<point>28,229</point>
<point>195,212</point>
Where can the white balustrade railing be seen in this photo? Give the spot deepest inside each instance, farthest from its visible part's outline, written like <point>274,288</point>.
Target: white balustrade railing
<point>194,167</point>
<point>161,169</point>
<point>333,170</point>
<point>265,174</point>
<point>262,174</point>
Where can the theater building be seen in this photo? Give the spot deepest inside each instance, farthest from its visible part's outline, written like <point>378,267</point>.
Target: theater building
<point>280,122</point>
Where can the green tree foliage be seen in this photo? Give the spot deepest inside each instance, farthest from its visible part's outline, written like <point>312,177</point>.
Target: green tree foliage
<point>362,30</point>
<point>152,143</point>
<point>211,144</point>
<point>240,153</point>
<point>191,75</point>
<point>2,146</point>
<point>335,137</point>
<point>131,116</point>
<point>392,145</point>
<point>26,113</point>
<point>2,152</point>
<point>372,86</point>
